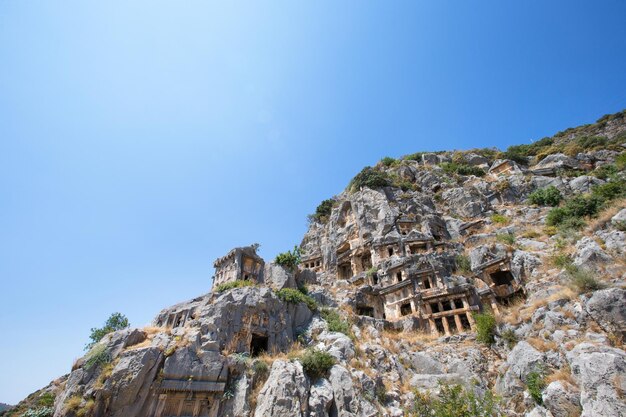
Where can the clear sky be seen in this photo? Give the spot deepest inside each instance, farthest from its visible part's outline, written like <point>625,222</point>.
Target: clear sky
<point>141,140</point>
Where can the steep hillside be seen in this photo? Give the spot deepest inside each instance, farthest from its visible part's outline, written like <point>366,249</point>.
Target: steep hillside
<point>464,283</point>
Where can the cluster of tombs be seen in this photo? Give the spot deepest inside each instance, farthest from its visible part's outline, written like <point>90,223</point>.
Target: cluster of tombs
<point>396,280</point>
<point>410,276</point>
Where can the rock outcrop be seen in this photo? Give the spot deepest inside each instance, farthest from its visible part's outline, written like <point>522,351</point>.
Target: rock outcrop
<point>428,277</point>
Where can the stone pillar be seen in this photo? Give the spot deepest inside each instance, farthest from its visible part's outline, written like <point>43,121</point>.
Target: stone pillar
<point>196,407</point>
<point>494,306</point>
<point>459,326</point>
<point>470,318</point>
<point>446,328</point>
<point>161,405</point>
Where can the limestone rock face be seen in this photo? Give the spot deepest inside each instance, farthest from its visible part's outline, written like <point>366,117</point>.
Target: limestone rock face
<point>394,272</point>
<point>321,399</point>
<point>467,203</point>
<point>285,394</point>
<point>522,360</point>
<point>608,309</point>
<point>589,253</point>
<point>562,399</point>
<point>601,374</point>
<point>584,183</point>
<point>277,277</point>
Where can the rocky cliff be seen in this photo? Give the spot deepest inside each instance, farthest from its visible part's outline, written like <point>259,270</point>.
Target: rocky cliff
<point>479,282</point>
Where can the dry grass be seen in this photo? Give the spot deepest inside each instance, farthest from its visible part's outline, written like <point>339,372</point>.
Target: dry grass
<point>145,343</point>
<point>409,337</point>
<point>563,374</point>
<point>151,331</point>
<point>511,314</point>
<point>605,216</point>
<point>106,372</point>
<point>527,312</point>
<point>294,351</point>
<point>73,403</point>
<point>86,409</point>
<point>568,314</point>
<point>542,345</point>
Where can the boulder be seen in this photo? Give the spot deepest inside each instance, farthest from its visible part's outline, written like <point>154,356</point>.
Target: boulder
<point>562,399</point>
<point>584,183</point>
<point>558,160</point>
<point>321,399</point>
<point>131,380</point>
<point>601,375</point>
<point>620,217</point>
<point>346,397</point>
<point>278,277</point>
<point>285,393</point>
<point>588,253</point>
<point>608,309</point>
<point>522,360</point>
<point>337,344</point>
<point>465,202</point>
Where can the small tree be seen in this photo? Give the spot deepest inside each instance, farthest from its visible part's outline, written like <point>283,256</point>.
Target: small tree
<point>485,327</point>
<point>289,259</point>
<point>549,196</point>
<point>316,363</point>
<point>116,321</point>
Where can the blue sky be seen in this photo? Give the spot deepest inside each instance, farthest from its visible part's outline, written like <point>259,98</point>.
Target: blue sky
<point>141,140</point>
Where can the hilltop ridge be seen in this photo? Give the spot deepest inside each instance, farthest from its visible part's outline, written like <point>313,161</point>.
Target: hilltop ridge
<point>482,282</point>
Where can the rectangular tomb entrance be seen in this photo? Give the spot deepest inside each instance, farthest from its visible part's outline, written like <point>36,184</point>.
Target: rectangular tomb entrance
<point>258,344</point>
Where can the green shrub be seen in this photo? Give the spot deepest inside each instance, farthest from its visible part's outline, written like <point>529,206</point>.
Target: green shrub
<point>289,259</point>
<point>233,284</point>
<point>520,153</point>
<point>556,216</point>
<point>583,205</point>
<point>515,156</point>
<point>335,322</point>
<point>609,191</point>
<point>605,171</point>
<point>463,264</point>
<point>323,211</point>
<point>507,238</point>
<point>260,368</point>
<point>98,355</point>
<point>289,295</point>
<point>47,411</point>
<point>316,363</point>
<point>461,169</point>
<point>241,358</point>
<point>370,178</point>
<point>583,280</point>
<point>572,223</point>
<point>499,219</point>
<point>414,157</point>
<point>588,205</point>
<point>485,327</point>
<point>549,196</point>
<point>116,321</point>
<point>404,185</point>
<point>509,338</point>
<point>620,161</point>
<point>561,260</point>
<point>592,142</point>
<point>455,401</point>
<point>46,399</point>
<point>387,161</point>
<point>535,384</point>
